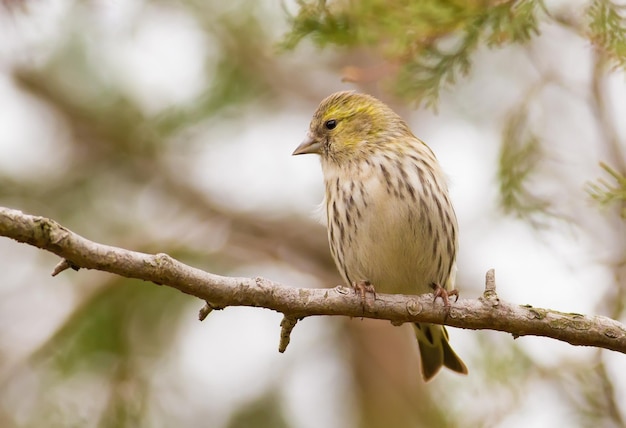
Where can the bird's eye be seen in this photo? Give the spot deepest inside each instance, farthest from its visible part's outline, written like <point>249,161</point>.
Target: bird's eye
<point>330,124</point>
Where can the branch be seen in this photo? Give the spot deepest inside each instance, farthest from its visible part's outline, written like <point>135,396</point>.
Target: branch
<point>487,312</point>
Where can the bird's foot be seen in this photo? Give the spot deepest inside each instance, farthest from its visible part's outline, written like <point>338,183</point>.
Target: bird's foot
<point>362,288</point>
<point>445,295</point>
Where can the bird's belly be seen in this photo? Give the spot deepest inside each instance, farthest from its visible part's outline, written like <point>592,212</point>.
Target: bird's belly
<point>392,249</point>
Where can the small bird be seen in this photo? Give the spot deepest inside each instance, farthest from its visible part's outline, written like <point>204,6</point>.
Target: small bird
<point>391,225</point>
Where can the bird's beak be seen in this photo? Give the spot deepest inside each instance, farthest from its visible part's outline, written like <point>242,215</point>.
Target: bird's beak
<point>309,145</point>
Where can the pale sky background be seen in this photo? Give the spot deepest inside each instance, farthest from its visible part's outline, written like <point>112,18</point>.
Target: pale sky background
<point>251,166</point>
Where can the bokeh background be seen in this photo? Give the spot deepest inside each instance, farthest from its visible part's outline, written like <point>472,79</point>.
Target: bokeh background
<point>163,126</point>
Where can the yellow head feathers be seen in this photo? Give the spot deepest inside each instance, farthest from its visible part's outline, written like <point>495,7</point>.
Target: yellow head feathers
<point>348,124</point>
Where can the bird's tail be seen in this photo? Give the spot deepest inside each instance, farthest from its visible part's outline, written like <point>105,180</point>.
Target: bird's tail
<point>435,350</point>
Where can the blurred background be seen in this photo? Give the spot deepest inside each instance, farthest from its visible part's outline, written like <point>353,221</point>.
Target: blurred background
<point>163,126</point>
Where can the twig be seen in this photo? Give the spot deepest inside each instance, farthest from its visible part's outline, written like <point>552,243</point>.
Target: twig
<point>488,312</point>
<point>63,265</point>
<point>286,327</point>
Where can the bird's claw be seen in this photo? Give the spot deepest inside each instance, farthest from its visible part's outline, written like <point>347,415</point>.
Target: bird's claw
<point>362,288</point>
<point>445,295</point>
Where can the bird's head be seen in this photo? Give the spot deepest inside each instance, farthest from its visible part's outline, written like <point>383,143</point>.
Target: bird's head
<point>348,125</point>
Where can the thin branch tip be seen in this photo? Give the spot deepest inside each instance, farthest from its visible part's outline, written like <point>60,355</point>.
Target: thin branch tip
<point>490,294</point>
<point>286,327</point>
<point>64,265</point>
<point>205,311</point>
<point>490,280</point>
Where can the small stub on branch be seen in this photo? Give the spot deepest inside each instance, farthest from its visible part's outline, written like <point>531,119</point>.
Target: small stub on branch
<point>490,294</point>
<point>205,311</point>
<point>64,265</point>
<point>342,289</point>
<point>414,307</point>
<point>286,326</point>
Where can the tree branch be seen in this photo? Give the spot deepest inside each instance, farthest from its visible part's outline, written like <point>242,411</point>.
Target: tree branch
<point>487,312</point>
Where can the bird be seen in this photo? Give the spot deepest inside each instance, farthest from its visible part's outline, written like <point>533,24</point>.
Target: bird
<point>391,224</point>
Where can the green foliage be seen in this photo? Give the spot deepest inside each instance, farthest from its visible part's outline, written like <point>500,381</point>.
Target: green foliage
<point>265,412</point>
<point>118,335</point>
<point>316,20</point>
<point>124,318</point>
<point>430,42</point>
<point>607,28</point>
<point>519,155</point>
<point>612,191</point>
<point>514,21</point>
